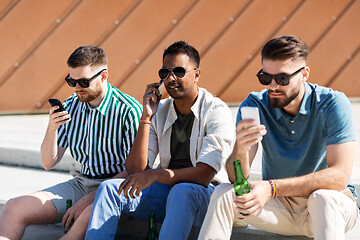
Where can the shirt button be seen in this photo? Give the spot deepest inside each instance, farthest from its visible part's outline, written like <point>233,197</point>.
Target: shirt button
<point>292,121</point>
<point>292,132</point>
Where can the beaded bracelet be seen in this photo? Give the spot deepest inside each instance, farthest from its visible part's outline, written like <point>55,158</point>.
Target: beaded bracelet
<point>273,188</point>
<point>145,121</point>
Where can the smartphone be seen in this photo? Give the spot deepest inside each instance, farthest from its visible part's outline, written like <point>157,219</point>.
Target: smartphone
<point>56,102</point>
<point>250,113</point>
<point>161,86</point>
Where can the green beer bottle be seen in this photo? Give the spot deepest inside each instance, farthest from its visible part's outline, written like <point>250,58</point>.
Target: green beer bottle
<point>241,185</point>
<point>152,234</point>
<point>68,205</point>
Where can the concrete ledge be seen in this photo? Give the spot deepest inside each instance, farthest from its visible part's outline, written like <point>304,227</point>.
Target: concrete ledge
<point>139,230</point>
<point>31,158</point>
<point>133,229</point>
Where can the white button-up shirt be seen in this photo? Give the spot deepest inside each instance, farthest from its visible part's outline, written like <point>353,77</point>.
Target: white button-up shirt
<point>212,135</point>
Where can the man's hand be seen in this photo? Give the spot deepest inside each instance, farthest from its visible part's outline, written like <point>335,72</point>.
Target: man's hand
<point>247,138</point>
<point>151,100</point>
<point>253,202</point>
<point>75,211</point>
<point>57,119</point>
<point>247,135</point>
<point>137,182</point>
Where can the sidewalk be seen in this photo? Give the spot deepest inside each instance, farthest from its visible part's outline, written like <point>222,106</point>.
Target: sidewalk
<point>20,140</point>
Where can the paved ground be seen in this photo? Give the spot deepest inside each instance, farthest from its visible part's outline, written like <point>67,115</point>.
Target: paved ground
<point>20,140</point>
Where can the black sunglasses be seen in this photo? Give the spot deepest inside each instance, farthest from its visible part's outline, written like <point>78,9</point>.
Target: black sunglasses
<point>83,82</point>
<point>281,79</point>
<point>179,72</point>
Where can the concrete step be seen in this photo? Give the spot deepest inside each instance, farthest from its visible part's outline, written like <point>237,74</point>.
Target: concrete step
<point>21,180</point>
<point>132,229</point>
<point>140,229</point>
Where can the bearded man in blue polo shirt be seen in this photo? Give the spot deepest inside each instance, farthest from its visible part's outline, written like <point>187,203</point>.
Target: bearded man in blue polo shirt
<point>308,138</point>
<point>98,126</point>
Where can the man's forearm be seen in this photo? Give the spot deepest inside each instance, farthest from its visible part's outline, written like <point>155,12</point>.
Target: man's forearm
<point>303,186</point>
<point>245,159</point>
<point>137,159</point>
<point>90,196</point>
<point>202,175</point>
<point>49,150</point>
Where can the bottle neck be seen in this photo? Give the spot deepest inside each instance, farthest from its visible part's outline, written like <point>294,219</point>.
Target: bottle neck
<point>68,204</point>
<point>152,224</point>
<point>239,176</point>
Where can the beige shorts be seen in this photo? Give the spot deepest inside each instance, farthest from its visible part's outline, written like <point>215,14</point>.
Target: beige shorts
<point>73,189</point>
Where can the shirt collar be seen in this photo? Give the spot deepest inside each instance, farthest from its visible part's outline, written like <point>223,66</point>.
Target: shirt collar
<point>195,108</point>
<point>305,104</point>
<point>104,105</point>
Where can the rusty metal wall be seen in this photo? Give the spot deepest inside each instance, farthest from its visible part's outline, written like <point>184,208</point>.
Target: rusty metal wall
<point>37,36</point>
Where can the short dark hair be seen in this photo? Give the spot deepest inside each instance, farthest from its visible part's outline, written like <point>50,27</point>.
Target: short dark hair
<point>88,55</point>
<point>182,47</point>
<point>285,47</point>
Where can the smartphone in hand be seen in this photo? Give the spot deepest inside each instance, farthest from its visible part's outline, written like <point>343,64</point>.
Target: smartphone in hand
<point>251,113</point>
<point>56,102</point>
<point>161,86</point>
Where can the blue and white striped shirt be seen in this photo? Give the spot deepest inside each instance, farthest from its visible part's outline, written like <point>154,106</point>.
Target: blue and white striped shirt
<point>101,138</point>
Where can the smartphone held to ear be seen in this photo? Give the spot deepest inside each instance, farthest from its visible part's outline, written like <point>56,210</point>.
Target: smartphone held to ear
<point>161,86</point>
<point>56,102</point>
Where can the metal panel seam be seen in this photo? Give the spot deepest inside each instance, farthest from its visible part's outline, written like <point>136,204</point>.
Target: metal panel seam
<point>343,67</point>
<point>38,42</point>
<point>8,9</point>
<point>152,47</point>
<point>258,50</point>
<point>98,42</point>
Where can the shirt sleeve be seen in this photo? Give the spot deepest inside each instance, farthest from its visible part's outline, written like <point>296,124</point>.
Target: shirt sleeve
<point>339,120</point>
<point>153,144</point>
<point>129,130</point>
<point>219,138</point>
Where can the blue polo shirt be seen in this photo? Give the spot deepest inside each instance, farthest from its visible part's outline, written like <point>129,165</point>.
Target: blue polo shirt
<point>295,146</point>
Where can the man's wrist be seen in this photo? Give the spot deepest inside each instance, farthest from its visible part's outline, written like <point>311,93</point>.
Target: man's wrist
<point>143,121</point>
<point>51,129</point>
<point>273,188</point>
<point>238,154</point>
<point>164,175</point>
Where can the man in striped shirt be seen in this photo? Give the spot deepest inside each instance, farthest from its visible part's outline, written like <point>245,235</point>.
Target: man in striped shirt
<point>99,127</point>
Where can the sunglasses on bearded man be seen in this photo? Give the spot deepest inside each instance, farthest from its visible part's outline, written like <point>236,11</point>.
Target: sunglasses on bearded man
<point>281,79</point>
<point>83,82</point>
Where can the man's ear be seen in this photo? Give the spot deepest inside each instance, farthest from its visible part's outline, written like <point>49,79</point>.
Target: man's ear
<point>104,75</point>
<point>306,73</point>
<point>197,73</point>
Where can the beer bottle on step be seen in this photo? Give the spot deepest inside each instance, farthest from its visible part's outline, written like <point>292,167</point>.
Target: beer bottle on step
<point>68,205</point>
<point>152,234</point>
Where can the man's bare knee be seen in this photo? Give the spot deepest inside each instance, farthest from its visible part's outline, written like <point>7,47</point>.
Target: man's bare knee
<point>12,210</point>
<point>36,208</point>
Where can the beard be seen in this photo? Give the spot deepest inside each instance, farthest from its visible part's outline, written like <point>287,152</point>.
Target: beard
<point>282,102</point>
<point>90,95</point>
